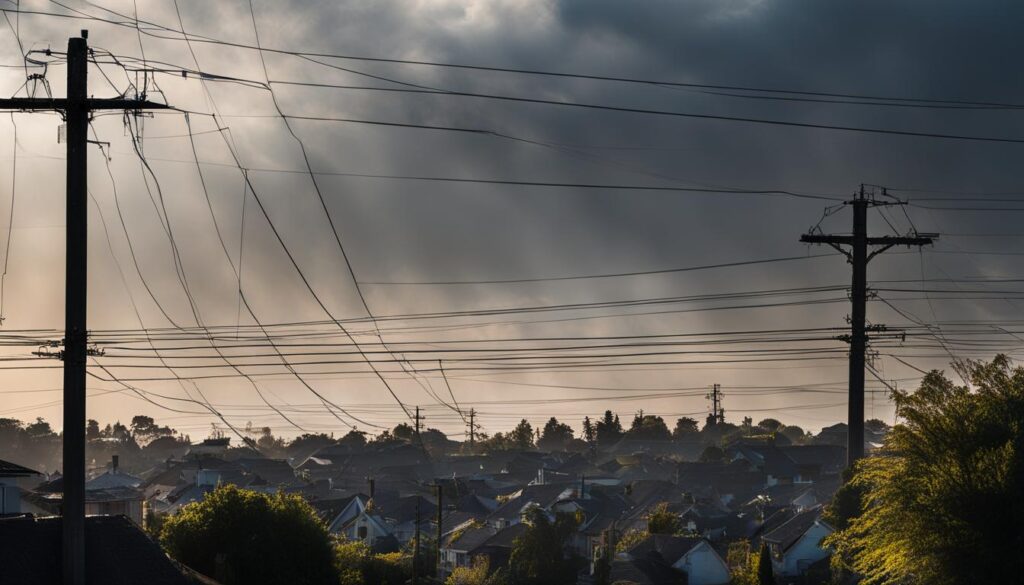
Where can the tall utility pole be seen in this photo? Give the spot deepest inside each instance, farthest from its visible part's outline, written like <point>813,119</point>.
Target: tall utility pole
<point>417,419</point>
<point>859,257</point>
<point>416,546</point>
<point>472,428</point>
<point>717,415</point>
<point>76,108</point>
<point>440,512</point>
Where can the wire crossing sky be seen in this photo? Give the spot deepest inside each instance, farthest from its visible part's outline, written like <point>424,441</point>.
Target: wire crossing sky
<point>531,209</point>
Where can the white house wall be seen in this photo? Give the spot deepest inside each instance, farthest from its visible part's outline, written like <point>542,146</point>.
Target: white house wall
<point>703,566</point>
<point>806,551</point>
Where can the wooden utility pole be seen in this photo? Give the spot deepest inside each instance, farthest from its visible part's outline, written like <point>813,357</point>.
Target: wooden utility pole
<point>472,428</point>
<point>717,415</point>
<point>440,509</point>
<point>416,546</point>
<point>76,108</point>
<point>858,256</point>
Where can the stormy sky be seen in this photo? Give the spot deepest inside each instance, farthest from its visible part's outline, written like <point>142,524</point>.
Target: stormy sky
<point>186,251</point>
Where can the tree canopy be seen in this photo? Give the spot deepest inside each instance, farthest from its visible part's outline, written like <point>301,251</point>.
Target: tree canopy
<point>239,536</point>
<point>942,504</point>
<point>538,555</point>
<point>660,520</point>
<point>608,429</point>
<point>554,436</point>
<point>648,427</point>
<point>685,426</point>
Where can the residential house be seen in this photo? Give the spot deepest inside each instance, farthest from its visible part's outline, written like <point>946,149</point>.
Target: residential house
<point>796,544</point>
<point>693,556</point>
<point>117,552</point>
<point>14,479</point>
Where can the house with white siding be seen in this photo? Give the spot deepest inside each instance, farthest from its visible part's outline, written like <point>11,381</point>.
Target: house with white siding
<point>796,544</point>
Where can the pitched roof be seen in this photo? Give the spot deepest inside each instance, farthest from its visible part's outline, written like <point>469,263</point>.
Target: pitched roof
<point>506,536</point>
<point>647,571</point>
<point>117,553</point>
<point>8,469</point>
<point>786,535</point>
<point>471,538</point>
<point>671,548</point>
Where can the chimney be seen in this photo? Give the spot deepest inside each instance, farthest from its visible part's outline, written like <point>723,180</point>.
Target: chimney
<point>583,486</point>
<point>113,463</point>
<point>372,482</point>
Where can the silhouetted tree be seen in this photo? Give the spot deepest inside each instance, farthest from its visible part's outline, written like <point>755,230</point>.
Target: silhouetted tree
<point>354,438</point>
<point>649,428</point>
<point>608,429</point>
<point>770,424</point>
<point>92,430</point>
<point>522,436</point>
<point>554,436</point>
<point>539,554</point>
<point>685,426</point>
<point>765,576</point>
<point>589,433</point>
<point>712,454</point>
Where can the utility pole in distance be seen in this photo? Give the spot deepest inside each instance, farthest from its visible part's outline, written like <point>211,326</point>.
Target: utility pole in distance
<point>76,108</point>
<point>859,257</point>
<point>472,428</point>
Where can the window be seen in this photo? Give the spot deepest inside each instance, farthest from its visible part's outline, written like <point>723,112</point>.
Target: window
<point>362,532</point>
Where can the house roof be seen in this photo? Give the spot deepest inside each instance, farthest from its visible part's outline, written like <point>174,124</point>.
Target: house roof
<point>788,533</point>
<point>111,479</point>
<point>117,553</point>
<point>671,548</point>
<point>471,538</point>
<point>542,495</point>
<point>8,469</point>
<point>647,571</point>
<point>474,504</point>
<point>506,536</point>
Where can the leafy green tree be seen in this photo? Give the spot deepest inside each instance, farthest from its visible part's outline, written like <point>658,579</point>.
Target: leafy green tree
<point>660,520</point>
<point>941,504</point>
<point>476,574</point>
<point>239,537</point>
<point>629,539</point>
<point>685,427</point>
<point>522,436</point>
<point>765,575</point>
<point>349,557</point>
<point>742,563</point>
<point>539,554</point>
<point>554,436</point>
<point>388,569</point>
<point>846,504</point>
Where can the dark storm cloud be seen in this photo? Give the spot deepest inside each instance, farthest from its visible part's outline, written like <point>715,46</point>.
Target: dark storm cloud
<point>395,230</point>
